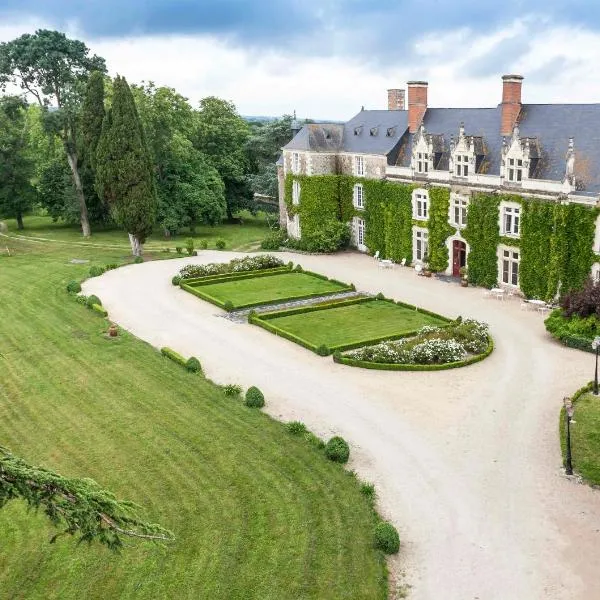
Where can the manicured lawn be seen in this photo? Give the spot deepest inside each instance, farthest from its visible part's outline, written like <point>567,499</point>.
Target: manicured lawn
<point>342,325</point>
<point>585,438</point>
<point>257,513</point>
<point>245,236</point>
<point>263,290</point>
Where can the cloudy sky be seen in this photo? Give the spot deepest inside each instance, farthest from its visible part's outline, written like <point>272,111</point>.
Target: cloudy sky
<point>326,58</point>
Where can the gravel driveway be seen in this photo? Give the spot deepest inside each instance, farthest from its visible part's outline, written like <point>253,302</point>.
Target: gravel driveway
<point>466,462</point>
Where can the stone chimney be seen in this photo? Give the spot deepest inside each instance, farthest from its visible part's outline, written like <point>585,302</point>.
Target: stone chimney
<point>395,99</point>
<point>417,104</point>
<point>511,102</point>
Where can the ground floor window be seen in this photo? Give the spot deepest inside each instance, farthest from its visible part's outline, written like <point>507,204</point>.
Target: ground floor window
<point>360,232</point>
<point>510,267</point>
<point>421,244</point>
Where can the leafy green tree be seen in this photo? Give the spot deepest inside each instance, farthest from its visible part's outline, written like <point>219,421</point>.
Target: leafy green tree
<point>81,506</point>
<point>221,134</point>
<point>16,167</point>
<point>124,176</point>
<point>53,69</point>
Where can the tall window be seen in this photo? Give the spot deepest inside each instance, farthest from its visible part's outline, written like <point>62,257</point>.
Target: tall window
<point>359,166</point>
<point>359,200</point>
<point>421,243</point>
<point>461,165</point>
<point>422,162</point>
<point>510,267</point>
<point>515,170</point>
<point>459,211</point>
<point>295,192</point>
<point>511,218</point>
<point>295,162</point>
<point>420,205</point>
<point>360,232</point>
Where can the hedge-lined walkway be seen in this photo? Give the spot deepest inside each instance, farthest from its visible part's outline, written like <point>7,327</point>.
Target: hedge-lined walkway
<point>466,462</point>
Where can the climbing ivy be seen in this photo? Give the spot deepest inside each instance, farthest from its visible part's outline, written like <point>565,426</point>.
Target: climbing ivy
<point>579,253</point>
<point>483,237</point>
<point>439,229</point>
<point>398,223</point>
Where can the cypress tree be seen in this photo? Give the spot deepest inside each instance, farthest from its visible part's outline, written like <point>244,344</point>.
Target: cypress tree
<point>124,175</point>
<point>92,117</point>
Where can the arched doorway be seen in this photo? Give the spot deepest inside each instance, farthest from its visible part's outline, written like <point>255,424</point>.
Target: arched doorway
<point>459,257</point>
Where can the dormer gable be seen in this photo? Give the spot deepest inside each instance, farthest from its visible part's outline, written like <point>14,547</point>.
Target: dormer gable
<point>520,156</point>
<point>422,152</point>
<point>462,162</point>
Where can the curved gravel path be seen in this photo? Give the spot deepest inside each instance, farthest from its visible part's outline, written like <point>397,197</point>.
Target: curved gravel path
<point>466,462</point>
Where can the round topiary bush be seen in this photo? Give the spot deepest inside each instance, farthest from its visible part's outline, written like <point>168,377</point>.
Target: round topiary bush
<point>179,250</point>
<point>137,260</point>
<point>228,306</point>
<point>93,300</point>
<point>323,350</point>
<point>95,271</point>
<point>380,296</point>
<point>220,244</point>
<point>298,268</point>
<point>73,287</point>
<point>203,244</point>
<point>387,538</point>
<point>337,450</point>
<point>193,365</point>
<point>176,280</point>
<point>254,398</point>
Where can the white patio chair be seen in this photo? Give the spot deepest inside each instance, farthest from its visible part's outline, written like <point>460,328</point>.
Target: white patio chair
<point>419,269</point>
<point>403,262</point>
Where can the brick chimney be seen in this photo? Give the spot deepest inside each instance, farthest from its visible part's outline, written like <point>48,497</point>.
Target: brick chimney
<point>395,99</point>
<point>511,102</point>
<point>417,104</point>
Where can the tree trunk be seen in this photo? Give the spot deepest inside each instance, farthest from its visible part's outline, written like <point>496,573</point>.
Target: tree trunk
<point>167,233</point>
<point>85,222</point>
<point>136,247</point>
<point>20,221</point>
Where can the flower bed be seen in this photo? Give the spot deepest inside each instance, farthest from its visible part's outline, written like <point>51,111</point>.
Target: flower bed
<point>237,265</point>
<point>432,348</point>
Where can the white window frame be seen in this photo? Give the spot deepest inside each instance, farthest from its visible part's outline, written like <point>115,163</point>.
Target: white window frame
<point>510,266</point>
<point>459,208</point>
<point>422,162</point>
<point>360,233</point>
<point>295,162</point>
<point>461,165</point>
<point>510,215</point>
<point>296,191</point>
<point>514,170</point>
<point>359,166</point>
<point>359,196</point>
<point>420,203</point>
<point>420,243</point>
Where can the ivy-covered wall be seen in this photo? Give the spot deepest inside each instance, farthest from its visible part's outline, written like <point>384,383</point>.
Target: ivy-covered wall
<point>556,240</point>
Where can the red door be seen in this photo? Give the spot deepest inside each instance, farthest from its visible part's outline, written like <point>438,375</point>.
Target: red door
<point>459,257</point>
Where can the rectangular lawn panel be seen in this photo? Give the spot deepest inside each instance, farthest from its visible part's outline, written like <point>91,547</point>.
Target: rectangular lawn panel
<point>279,287</point>
<point>340,326</point>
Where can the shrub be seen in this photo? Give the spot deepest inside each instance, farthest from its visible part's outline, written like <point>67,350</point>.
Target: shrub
<point>380,296</point>
<point>273,241</point>
<point>193,365</point>
<point>323,350</point>
<point>584,302</point>
<point>254,398</point>
<point>92,300</point>
<point>387,538</point>
<point>299,268</point>
<point>220,244</point>
<point>99,309</point>
<point>179,250</point>
<point>203,245</point>
<point>228,306</point>
<point>314,440</point>
<point>237,265</point>
<point>368,491</point>
<point>137,260</point>
<point>330,237</point>
<point>174,356</point>
<point>73,287</point>
<point>96,271</point>
<point>176,280</point>
<point>111,266</point>
<point>337,450</point>
<point>81,299</point>
<point>232,389</point>
<point>296,427</point>
<point>189,245</point>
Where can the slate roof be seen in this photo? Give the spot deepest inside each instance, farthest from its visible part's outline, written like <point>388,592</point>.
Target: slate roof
<point>548,126</point>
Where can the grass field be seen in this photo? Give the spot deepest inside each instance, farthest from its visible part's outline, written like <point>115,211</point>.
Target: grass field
<point>257,513</point>
<point>244,236</point>
<point>585,438</point>
<point>264,290</point>
<point>337,326</point>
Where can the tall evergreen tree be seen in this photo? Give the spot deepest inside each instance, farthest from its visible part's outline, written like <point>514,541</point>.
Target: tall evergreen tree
<point>124,176</point>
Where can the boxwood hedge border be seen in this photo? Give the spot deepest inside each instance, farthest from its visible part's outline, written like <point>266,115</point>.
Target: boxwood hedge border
<point>217,277</point>
<point>263,319</point>
<point>195,288</point>
<point>363,364</point>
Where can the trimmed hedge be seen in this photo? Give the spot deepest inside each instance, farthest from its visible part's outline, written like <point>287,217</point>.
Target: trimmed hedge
<point>254,398</point>
<point>191,364</point>
<point>208,279</point>
<point>91,300</point>
<point>337,450</point>
<point>363,364</point>
<point>99,309</point>
<point>73,287</point>
<point>386,538</point>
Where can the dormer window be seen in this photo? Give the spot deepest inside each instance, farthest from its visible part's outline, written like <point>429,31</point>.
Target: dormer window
<point>461,165</point>
<point>295,162</point>
<point>359,166</point>
<point>373,131</point>
<point>422,162</point>
<point>514,171</point>
<point>391,132</point>
<point>358,130</point>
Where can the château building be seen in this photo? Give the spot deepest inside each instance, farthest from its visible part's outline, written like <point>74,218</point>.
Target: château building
<point>533,169</point>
